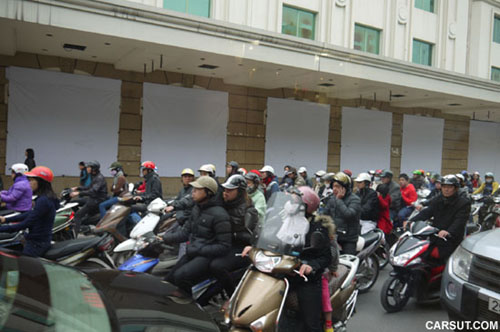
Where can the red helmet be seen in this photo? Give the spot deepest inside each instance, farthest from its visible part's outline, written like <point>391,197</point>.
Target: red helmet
<point>310,198</point>
<point>148,165</point>
<point>256,172</point>
<point>348,172</point>
<point>41,172</point>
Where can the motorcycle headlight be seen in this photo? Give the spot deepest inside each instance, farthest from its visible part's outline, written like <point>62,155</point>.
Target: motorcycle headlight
<point>460,263</point>
<point>266,263</point>
<point>401,260</point>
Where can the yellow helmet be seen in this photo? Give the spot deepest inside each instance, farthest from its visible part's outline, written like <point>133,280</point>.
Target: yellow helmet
<point>187,171</point>
<point>343,179</point>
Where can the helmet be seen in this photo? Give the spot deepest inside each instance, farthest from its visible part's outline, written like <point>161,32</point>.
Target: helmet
<point>267,168</point>
<point>343,179</point>
<point>347,172</point>
<point>255,172</point>
<point>460,177</point>
<point>379,172</point>
<point>242,171</point>
<point>233,164</point>
<point>116,165</point>
<point>489,175</point>
<point>212,166</point>
<point>310,198</point>
<point>235,181</point>
<point>476,173</point>
<point>94,164</point>
<point>148,165</point>
<point>302,170</point>
<point>328,177</point>
<point>464,173</point>
<point>205,182</point>
<point>386,173</point>
<point>41,172</point>
<point>450,179</point>
<point>320,173</point>
<point>418,172</point>
<point>187,171</point>
<point>252,177</point>
<point>363,177</point>
<point>436,176</point>
<point>371,172</point>
<point>207,168</point>
<point>19,168</point>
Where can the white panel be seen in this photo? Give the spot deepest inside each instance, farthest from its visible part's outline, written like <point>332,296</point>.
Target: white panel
<point>422,144</point>
<point>297,134</point>
<point>65,118</point>
<point>484,147</point>
<point>366,140</point>
<point>184,128</point>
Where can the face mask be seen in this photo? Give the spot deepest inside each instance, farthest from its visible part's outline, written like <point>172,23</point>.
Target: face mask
<point>489,180</point>
<point>113,172</point>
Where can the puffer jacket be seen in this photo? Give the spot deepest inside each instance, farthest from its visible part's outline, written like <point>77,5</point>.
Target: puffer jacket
<point>19,195</point>
<point>369,204</point>
<point>98,189</point>
<point>345,213</point>
<point>183,204</point>
<point>153,188</point>
<point>259,201</point>
<point>208,231</point>
<point>327,222</point>
<point>244,220</point>
<point>320,257</point>
<point>396,198</point>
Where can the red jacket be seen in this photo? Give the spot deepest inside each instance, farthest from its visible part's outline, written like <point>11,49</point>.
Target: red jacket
<point>409,194</point>
<point>384,219</point>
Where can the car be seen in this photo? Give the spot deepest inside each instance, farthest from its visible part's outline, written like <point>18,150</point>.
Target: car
<point>470,289</point>
<point>39,295</point>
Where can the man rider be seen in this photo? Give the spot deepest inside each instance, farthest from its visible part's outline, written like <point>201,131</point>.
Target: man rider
<point>183,203</point>
<point>451,213</point>
<point>153,189</point>
<point>303,174</point>
<point>394,191</point>
<point>409,197</point>
<point>369,203</point>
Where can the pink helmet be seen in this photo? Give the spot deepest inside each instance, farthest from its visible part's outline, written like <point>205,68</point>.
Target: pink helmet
<point>310,198</point>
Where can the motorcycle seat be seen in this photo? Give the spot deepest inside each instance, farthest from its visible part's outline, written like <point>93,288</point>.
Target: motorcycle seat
<point>6,236</point>
<point>370,237</point>
<point>336,282</point>
<point>65,248</point>
<point>6,212</point>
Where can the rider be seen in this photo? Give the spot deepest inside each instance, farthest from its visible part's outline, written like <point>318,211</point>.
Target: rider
<point>253,189</point>
<point>231,168</point>
<point>303,173</point>
<point>118,188</point>
<point>418,180</point>
<point>345,209</point>
<point>319,185</point>
<point>489,187</point>
<point>450,213</point>
<point>19,196</point>
<point>409,197</point>
<point>94,194</point>
<point>369,203</point>
<point>183,202</point>
<point>244,220</point>
<point>208,231</point>
<point>85,177</point>
<point>40,220</point>
<point>270,181</point>
<point>209,170</point>
<point>394,191</point>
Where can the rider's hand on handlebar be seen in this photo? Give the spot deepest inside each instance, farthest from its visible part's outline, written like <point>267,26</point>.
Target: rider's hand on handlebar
<point>245,251</point>
<point>137,198</point>
<point>443,234</point>
<point>305,270</point>
<point>169,209</point>
<point>74,194</point>
<point>2,220</point>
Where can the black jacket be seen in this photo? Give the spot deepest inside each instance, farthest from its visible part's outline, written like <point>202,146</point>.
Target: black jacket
<point>208,231</point>
<point>345,213</point>
<point>98,189</point>
<point>183,204</point>
<point>369,204</point>
<point>319,256</point>
<point>153,188</point>
<point>244,220</point>
<point>395,193</point>
<point>450,214</point>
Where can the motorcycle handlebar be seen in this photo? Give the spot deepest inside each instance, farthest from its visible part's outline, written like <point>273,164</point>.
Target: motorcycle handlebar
<point>304,277</point>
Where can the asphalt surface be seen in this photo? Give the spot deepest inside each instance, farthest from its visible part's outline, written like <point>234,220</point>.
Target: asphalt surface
<point>370,316</point>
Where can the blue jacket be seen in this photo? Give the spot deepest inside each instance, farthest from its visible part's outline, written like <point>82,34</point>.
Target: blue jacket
<point>19,196</point>
<point>85,178</point>
<point>272,187</point>
<point>38,221</point>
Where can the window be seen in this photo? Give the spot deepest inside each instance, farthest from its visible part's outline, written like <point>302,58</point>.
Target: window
<point>366,39</point>
<point>297,22</point>
<point>422,53</point>
<point>427,5</point>
<point>495,74</point>
<point>195,7</point>
<point>496,30</point>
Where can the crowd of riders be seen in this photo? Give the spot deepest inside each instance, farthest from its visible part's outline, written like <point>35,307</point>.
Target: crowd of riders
<point>221,219</point>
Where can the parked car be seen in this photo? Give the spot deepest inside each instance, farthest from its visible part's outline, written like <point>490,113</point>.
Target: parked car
<point>470,289</point>
<point>39,295</point>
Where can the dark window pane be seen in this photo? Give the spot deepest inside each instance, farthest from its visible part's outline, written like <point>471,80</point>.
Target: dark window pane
<point>495,74</point>
<point>366,39</point>
<point>496,30</point>
<point>298,22</point>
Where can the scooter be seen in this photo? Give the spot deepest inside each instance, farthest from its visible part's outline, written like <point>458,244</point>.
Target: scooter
<point>11,240</point>
<point>369,265</point>
<point>63,228</point>
<point>413,276</point>
<point>488,212</point>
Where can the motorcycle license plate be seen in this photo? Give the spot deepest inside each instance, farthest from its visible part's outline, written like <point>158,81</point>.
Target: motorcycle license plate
<point>494,305</point>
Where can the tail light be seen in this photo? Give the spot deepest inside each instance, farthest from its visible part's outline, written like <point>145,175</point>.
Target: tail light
<point>72,215</point>
<point>497,223</point>
<point>106,245</point>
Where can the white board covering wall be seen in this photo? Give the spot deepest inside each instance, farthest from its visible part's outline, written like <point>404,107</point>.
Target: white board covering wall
<point>484,147</point>
<point>65,118</point>
<point>184,128</point>
<point>366,140</point>
<point>297,135</point>
<point>422,144</point>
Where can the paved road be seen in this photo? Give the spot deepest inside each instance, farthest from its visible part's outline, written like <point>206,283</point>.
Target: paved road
<point>370,316</point>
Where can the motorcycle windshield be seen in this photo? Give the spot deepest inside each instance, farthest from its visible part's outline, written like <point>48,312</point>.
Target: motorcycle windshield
<point>285,226</point>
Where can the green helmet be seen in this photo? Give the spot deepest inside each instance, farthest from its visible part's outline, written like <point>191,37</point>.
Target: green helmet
<point>116,165</point>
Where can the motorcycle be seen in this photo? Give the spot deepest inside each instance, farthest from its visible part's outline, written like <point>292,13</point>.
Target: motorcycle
<point>412,276</point>
<point>263,295</point>
<point>63,228</point>
<point>488,212</point>
<point>369,265</point>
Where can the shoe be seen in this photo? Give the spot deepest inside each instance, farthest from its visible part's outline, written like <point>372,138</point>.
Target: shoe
<point>328,329</point>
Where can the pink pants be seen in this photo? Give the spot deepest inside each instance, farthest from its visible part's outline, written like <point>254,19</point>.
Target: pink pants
<point>325,294</point>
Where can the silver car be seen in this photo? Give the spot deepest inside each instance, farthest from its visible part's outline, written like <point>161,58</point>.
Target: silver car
<point>470,289</point>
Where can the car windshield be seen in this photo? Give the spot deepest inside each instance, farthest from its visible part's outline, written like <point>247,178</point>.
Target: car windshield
<point>48,297</point>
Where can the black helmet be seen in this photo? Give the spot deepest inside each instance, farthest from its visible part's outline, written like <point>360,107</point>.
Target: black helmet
<point>94,165</point>
<point>386,173</point>
<point>252,177</point>
<point>235,181</point>
<point>233,164</point>
<point>450,179</point>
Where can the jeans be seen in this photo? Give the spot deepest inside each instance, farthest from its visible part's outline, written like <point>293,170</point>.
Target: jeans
<point>403,214</point>
<point>135,217</point>
<point>104,206</point>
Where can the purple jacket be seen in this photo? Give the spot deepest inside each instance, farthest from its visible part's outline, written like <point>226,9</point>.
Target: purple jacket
<point>19,196</point>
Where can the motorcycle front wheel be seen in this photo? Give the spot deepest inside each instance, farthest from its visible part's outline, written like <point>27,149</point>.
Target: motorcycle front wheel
<point>368,273</point>
<point>394,295</point>
<point>382,253</point>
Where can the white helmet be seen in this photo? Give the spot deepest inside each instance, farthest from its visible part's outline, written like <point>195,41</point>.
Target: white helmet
<point>206,168</point>
<point>363,177</point>
<point>267,168</point>
<point>302,170</point>
<point>460,177</point>
<point>19,168</point>
<point>320,173</point>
